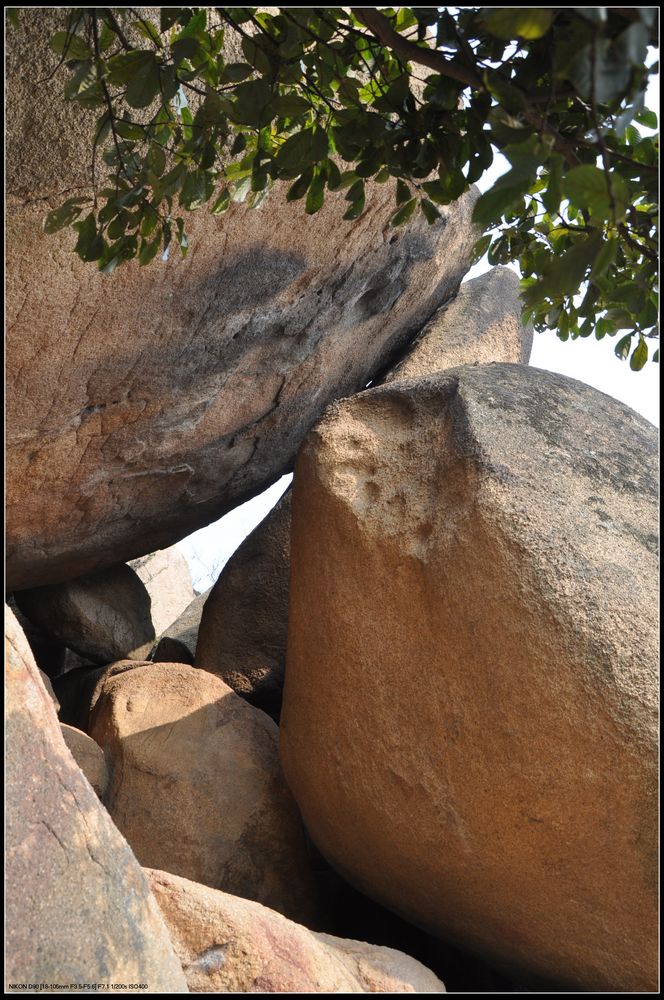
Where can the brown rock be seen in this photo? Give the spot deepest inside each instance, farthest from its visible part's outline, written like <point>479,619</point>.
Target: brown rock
<point>469,721</point>
<point>104,616</point>
<point>482,323</point>
<point>144,404</point>
<point>243,630</point>
<point>88,755</point>
<point>231,945</point>
<point>167,579</point>
<point>196,785</point>
<point>78,906</point>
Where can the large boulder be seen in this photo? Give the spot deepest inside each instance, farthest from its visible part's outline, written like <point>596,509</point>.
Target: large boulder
<point>104,616</point>
<point>144,404</point>
<point>79,909</point>
<point>470,709</point>
<point>482,323</point>
<point>196,786</point>
<point>167,579</point>
<point>243,629</point>
<point>232,945</point>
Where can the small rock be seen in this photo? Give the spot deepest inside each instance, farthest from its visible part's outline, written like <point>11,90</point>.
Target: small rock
<point>104,617</point>
<point>88,755</point>
<point>196,786</point>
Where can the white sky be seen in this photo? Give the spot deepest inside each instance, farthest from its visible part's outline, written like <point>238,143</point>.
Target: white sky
<point>585,359</point>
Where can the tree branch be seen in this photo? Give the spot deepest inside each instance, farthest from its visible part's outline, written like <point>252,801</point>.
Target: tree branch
<point>383,31</point>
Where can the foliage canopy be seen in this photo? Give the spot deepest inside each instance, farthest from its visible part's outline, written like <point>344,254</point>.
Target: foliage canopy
<point>215,104</point>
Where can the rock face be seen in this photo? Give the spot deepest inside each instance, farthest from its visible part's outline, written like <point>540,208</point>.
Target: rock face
<point>469,721</point>
<point>196,785</point>
<point>104,616</point>
<point>167,579</point>
<point>88,755</point>
<point>184,630</point>
<point>231,945</point>
<point>144,404</point>
<point>243,630</point>
<point>78,906</point>
<point>482,323</point>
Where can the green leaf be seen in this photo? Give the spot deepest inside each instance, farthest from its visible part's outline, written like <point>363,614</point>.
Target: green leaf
<point>127,130</point>
<point>234,72</point>
<point>605,258</point>
<point>647,118</point>
<point>563,274</point>
<point>148,30</point>
<point>291,106</point>
<point>404,213</point>
<point>518,22</point>
<point>404,193</point>
<point>639,356</point>
<point>481,248</point>
<point>621,349</point>
<point>195,25</point>
<point>301,185</point>
<point>149,250</point>
<point>429,210</point>
<point>586,188</point>
<point>316,193</point>
<point>552,197</point>
<point>222,202</point>
<point>71,46</point>
<point>490,206</point>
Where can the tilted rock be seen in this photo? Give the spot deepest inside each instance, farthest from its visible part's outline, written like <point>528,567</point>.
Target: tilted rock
<point>104,616</point>
<point>196,785</point>
<point>232,945</point>
<point>470,709</point>
<point>88,755</point>
<point>167,579</point>
<point>243,630</point>
<point>184,629</point>
<point>244,627</point>
<point>144,404</point>
<point>482,323</point>
<point>79,909</point>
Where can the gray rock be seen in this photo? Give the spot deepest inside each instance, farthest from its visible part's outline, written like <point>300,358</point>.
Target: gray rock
<point>185,629</point>
<point>79,909</point>
<point>167,579</point>
<point>104,616</point>
<point>482,323</point>
<point>145,404</point>
<point>470,709</point>
<point>244,627</point>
